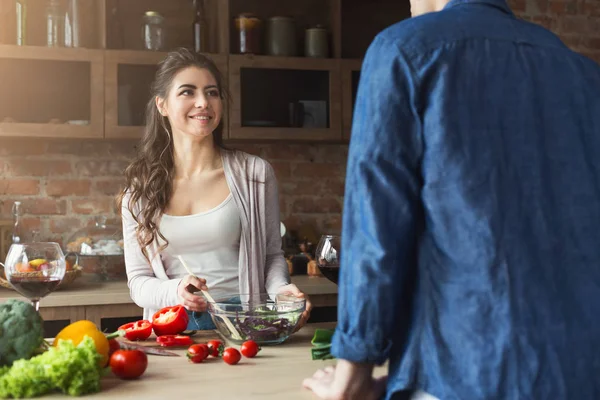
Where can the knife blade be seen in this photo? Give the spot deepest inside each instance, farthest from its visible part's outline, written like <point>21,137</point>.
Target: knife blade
<point>148,350</point>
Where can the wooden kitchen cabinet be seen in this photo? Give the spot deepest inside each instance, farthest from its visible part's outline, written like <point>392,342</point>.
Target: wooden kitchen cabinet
<point>109,303</point>
<point>128,77</point>
<point>106,81</point>
<point>51,92</point>
<point>127,90</point>
<point>268,90</point>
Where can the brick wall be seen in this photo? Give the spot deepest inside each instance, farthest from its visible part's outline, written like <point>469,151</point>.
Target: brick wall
<point>577,22</point>
<point>65,184</point>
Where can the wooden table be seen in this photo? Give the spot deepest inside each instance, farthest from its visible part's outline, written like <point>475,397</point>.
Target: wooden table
<point>276,373</point>
<point>93,301</point>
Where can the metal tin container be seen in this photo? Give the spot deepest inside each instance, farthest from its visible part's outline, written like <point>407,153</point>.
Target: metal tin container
<point>281,40</point>
<point>316,44</point>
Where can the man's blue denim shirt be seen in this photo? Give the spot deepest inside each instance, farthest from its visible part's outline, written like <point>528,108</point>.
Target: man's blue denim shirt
<point>471,229</point>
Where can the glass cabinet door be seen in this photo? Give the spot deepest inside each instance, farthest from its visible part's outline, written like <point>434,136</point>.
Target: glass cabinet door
<point>51,92</point>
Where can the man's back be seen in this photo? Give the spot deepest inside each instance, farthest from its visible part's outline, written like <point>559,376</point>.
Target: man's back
<point>508,285</point>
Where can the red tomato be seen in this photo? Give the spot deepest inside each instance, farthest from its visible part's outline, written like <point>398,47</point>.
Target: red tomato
<point>231,356</point>
<point>215,347</point>
<point>197,353</point>
<point>250,348</point>
<point>114,346</point>
<point>128,364</point>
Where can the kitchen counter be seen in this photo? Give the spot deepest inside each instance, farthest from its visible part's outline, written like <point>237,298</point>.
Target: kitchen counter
<point>276,373</point>
<point>94,301</point>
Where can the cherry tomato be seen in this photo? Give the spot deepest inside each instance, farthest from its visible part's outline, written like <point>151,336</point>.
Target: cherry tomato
<point>197,353</point>
<point>231,356</point>
<point>249,348</point>
<point>215,348</point>
<point>128,364</point>
<point>113,346</point>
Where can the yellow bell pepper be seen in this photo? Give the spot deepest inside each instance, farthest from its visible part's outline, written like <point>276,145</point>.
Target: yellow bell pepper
<point>80,329</point>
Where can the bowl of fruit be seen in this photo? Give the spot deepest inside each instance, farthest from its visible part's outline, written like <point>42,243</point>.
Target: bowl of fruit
<point>265,318</point>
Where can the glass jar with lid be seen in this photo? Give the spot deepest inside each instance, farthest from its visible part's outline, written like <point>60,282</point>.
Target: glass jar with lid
<point>99,250</point>
<point>249,34</point>
<point>153,31</point>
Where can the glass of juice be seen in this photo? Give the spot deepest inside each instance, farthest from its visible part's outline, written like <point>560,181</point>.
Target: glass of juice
<point>35,269</point>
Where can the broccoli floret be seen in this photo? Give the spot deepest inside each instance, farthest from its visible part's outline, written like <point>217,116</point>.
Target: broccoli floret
<point>21,331</point>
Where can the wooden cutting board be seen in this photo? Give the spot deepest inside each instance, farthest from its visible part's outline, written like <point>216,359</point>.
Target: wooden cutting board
<point>198,337</point>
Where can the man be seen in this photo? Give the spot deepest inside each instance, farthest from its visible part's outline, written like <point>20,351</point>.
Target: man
<point>471,252</point>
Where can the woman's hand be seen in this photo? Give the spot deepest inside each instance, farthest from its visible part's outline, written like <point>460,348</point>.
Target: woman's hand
<point>346,381</point>
<point>187,286</point>
<point>293,290</point>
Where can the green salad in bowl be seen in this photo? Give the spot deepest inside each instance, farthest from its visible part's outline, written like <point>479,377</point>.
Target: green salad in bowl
<point>264,318</point>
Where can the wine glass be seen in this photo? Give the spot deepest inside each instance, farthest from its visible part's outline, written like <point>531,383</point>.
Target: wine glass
<point>328,256</point>
<point>35,269</point>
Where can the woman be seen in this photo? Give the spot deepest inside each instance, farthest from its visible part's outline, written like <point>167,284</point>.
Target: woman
<point>187,195</point>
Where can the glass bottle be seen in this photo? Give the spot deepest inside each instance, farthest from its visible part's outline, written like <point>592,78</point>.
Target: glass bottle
<point>16,211</point>
<point>153,31</point>
<point>200,28</point>
<point>21,7</point>
<point>55,24</point>
<point>72,24</point>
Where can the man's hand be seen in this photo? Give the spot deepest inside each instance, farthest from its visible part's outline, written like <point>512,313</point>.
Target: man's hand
<point>347,381</point>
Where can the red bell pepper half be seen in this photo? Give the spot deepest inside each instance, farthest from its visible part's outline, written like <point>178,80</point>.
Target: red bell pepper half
<point>170,321</point>
<point>174,340</point>
<point>138,330</point>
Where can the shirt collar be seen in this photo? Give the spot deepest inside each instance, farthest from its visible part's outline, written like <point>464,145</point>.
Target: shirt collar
<point>500,4</point>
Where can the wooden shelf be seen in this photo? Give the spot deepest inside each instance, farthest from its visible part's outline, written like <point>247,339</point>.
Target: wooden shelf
<point>50,53</point>
<point>352,64</point>
<point>300,63</point>
<point>292,134</point>
<point>50,130</point>
<point>133,56</point>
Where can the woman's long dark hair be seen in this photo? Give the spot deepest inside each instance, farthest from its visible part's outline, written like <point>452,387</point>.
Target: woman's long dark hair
<point>149,178</point>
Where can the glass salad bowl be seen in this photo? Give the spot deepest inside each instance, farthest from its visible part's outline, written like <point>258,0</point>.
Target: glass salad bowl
<point>265,318</point>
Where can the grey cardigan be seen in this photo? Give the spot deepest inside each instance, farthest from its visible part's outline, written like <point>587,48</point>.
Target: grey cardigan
<point>262,267</point>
